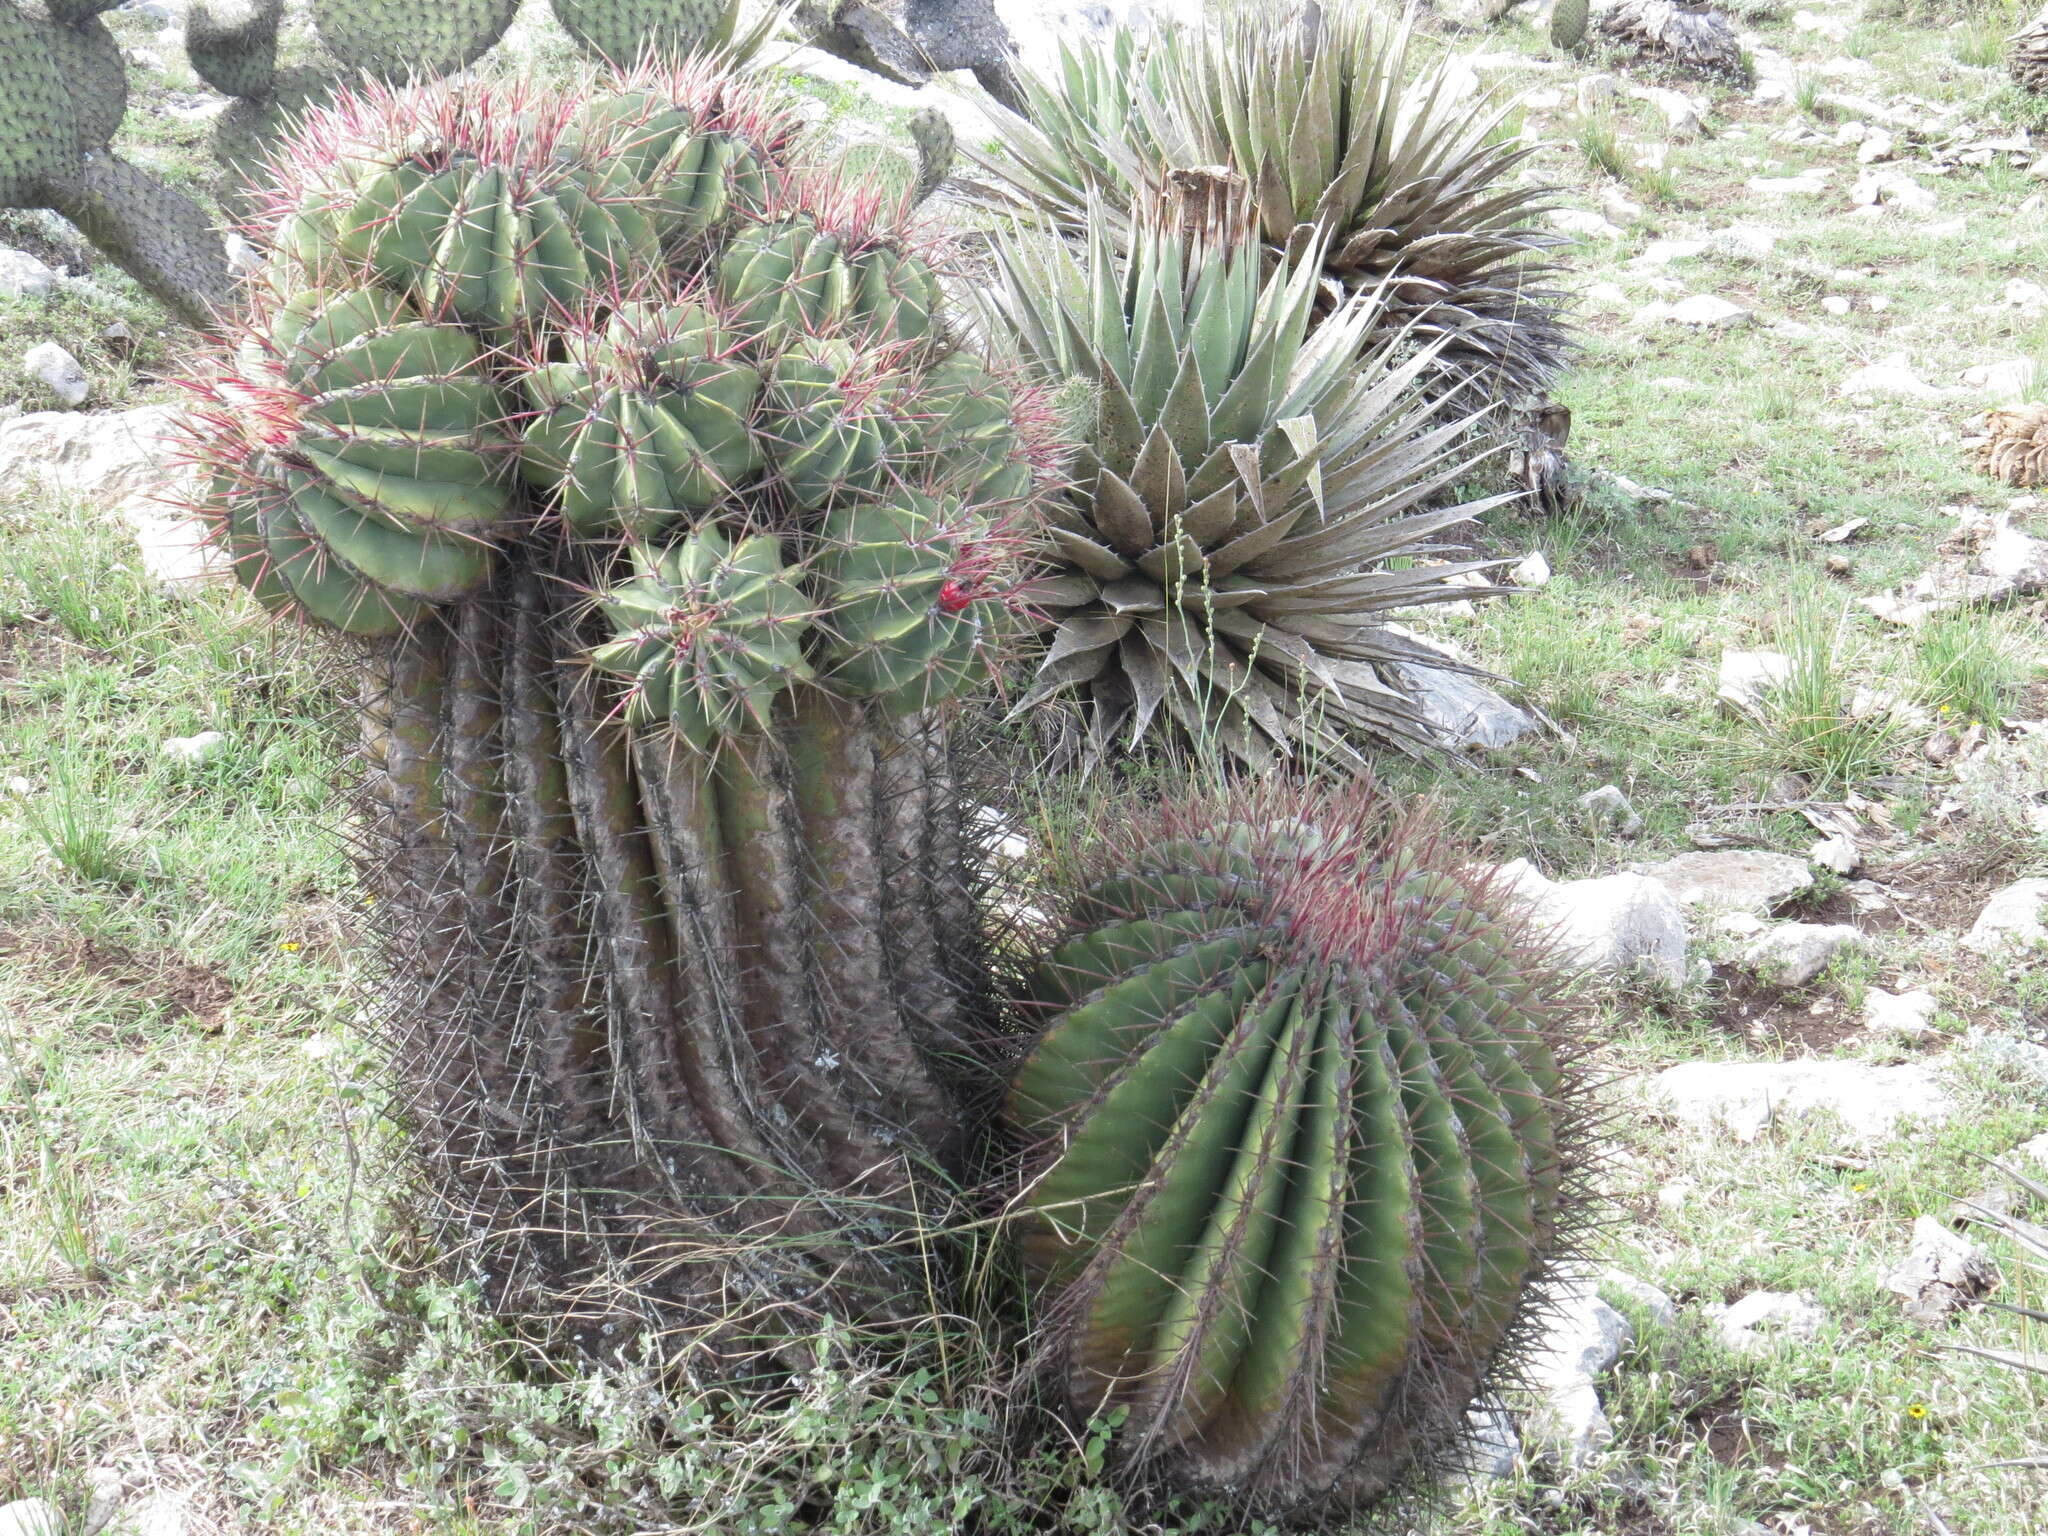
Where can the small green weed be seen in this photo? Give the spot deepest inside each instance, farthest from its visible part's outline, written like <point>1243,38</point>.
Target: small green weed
<point>1811,719</point>
<point>1968,670</point>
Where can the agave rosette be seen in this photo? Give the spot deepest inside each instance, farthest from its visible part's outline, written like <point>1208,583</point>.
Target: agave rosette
<point>1340,137</point>
<point>1225,555</point>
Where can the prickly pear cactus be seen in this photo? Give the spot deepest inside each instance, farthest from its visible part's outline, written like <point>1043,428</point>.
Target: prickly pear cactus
<point>668,509</point>
<point>1568,23</point>
<point>1307,1142</point>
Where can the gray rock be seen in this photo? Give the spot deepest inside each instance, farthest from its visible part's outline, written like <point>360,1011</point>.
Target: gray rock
<point>1765,1320</point>
<point>194,750</point>
<point>1838,854</point>
<point>108,1488</point>
<point>1622,925</point>
<point>160,1514</point>
<point>1941,1274</point>
<point>1490,1444</point>
<point>1892,189</point>
<point>1904,1015</point>
<point>2018,1056</point>
<point>1463,711</point>
<point>1660,1307</point>
<point>1531,571</point>
<point>31,1517</point>
<point>58,372</point>
<point>1608,807</point>
<point>24,277</point>
<point>1743,1098</point>
<point>1792,954</point>
<point>1582,1337</point>
<point>1892,377</point>
<point>2034,1152</point>
<point>1745,678</point>
<point>2012,920</point>
<point>1731,880</point>
<point>1709,312</point>
<point>122,461</point>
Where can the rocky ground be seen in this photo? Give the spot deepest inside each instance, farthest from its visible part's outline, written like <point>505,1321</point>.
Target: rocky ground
<point>1773,755</point>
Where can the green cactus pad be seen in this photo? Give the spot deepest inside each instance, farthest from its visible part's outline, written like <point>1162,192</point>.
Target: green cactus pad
<point>38,132</point>
<point>622,31</point>
<point>394,39</point>
<point>711,632</point>
<point>233,44</point>
<point>95,78</point>
<point>1301,1111</point>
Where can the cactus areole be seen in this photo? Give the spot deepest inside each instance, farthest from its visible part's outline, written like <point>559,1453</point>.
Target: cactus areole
<point>667,511</point>
<point>1304,1141</point>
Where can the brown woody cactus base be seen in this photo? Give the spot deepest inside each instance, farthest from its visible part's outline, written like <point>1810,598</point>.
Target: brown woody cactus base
<point>685,1040</point>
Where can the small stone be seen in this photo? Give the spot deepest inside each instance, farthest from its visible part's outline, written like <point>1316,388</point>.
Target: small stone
<point>1838,854</point>
<point>1490,1444</point>
<point>194,750</point>
<point>1792,954</point>
<point>1676,1194</point>
<point>1835,304</point>
<point>1596,93</point>
<point>1582,1337</point>
<point>1661,253</point>
<point>108,1488</point>
<point>1734,880</point>
<point>2023,293</point>
<point>1607,807</point>
<point>1763,1320</point>
<point>1744,1098</point>
<point>1623,925</point>
<point>160,1514</point>
<point>1877,145</point>
<point>1531,571</point>
<point>2033,1152</point>
<point>31,1517</point>
<point>244,257</point>
<point>1705,311</point>
<point>1878,303</point>
<point>1806,183</point>
<point>17,785</point>
<point>1941,1274</point>
<point>2011,920</point>
<point>1745,677</point>
<point>2012,380</point>
<point>22,276</point>
<point>1906,1015</point>
<point>1894,378</point>
<point>1890,189</point>
<point>1839,565</point>
<point>1739,925</point>
<point>1579,221</point>
<point>58,372</point>
<point>1661,1309</point>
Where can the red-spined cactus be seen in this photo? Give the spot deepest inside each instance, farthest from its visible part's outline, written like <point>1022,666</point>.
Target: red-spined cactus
<point>667,508</point>
<point>1303,1136</point>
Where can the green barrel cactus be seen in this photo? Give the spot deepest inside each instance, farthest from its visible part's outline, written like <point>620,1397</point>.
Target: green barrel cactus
<point>665,508</point>
<point>1307,1143</point>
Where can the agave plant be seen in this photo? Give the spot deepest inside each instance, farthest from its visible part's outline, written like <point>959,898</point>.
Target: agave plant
<point>1402,183</point>
<point>1228,554</point>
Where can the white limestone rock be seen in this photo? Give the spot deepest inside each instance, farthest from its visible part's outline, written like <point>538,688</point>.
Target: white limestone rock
<point>1744,1098</point>
<point>1622,925</point>
<point>1731,880</point>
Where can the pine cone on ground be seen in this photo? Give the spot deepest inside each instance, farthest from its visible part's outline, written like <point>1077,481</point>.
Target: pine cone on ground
<point>2015,448</point>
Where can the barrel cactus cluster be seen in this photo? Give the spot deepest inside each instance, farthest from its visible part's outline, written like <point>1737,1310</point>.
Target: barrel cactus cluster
<point>1304,1137</point>
<point>672,515</point>
<point>659,487</point>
